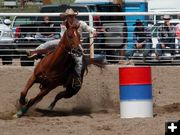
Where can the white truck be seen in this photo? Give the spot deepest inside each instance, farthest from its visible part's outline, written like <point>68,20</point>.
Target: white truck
<point>163,5</point>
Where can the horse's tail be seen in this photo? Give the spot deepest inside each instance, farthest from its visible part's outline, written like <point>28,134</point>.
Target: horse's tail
<point>98,61</point>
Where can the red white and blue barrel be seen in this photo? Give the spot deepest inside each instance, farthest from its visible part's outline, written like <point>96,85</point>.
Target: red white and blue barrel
<point>135,93</point>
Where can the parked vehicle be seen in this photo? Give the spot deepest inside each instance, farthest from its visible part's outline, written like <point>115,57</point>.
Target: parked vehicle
<point>25,28</point>
<point>6,44</point>
<point>21,20</point>
<point>5,21</point>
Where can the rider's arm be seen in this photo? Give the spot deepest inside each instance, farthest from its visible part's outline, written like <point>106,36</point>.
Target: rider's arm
<point>86,27</point>
<point>63,29</point>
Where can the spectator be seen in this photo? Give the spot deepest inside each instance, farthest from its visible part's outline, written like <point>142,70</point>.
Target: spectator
<point>46,31</point>
<point>166,37</point>
<point>141,40</point>
<point>178,34</point>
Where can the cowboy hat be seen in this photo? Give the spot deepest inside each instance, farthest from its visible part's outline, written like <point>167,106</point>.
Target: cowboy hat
<point>70,12</point>
<point>166,17</point>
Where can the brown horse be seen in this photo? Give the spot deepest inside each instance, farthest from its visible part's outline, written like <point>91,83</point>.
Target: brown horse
<point>54,70</point>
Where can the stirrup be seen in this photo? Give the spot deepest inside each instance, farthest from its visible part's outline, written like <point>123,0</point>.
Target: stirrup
<point>76,82</point>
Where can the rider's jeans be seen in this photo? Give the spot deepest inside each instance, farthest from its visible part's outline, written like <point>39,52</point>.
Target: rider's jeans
<point>48,44</point>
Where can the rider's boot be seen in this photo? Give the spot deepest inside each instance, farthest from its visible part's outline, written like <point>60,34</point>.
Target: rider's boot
<point>31,54</point>
<point>35,54</point>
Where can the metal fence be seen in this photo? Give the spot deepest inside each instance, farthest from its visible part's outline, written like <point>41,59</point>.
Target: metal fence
<point>113,41</point>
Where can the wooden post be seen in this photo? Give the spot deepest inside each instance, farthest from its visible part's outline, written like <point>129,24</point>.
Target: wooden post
<point>91,37</point>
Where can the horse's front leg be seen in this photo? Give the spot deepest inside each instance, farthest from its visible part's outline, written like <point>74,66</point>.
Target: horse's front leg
<point>31,102</point>
<point>29,84</point>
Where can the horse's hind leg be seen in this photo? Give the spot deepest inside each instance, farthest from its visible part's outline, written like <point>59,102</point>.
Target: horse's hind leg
<point>58,97</point>
<point>25,91</point>
<point>68,93</point>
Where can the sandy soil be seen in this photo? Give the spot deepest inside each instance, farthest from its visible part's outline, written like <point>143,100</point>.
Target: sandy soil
<point>93,111</point>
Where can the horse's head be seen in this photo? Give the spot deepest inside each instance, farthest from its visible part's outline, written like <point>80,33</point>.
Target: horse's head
<point>72,35</point>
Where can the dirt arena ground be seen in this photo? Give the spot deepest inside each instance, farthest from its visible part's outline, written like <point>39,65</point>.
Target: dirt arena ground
<point>93,111</point>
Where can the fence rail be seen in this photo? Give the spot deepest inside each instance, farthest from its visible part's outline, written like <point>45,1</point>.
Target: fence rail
<point>114,37</point>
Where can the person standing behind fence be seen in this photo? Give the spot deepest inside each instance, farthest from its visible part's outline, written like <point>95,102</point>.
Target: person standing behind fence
<point>141,40</point>
<point>166,37</point>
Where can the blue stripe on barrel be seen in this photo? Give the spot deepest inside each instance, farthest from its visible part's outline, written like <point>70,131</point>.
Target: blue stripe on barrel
<point>136,92</point>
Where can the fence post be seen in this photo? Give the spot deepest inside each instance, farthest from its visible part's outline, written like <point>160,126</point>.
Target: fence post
<point>91,37</point>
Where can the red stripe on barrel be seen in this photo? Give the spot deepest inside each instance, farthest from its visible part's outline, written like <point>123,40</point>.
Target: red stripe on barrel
<point>134,75</point>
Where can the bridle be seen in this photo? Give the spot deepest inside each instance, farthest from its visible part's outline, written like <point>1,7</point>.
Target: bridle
<point>69,51</point>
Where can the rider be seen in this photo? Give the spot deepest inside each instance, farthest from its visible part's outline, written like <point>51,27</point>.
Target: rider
<point>70,17</point>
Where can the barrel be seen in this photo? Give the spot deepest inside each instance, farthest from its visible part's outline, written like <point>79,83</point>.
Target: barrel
<point>135,92</point>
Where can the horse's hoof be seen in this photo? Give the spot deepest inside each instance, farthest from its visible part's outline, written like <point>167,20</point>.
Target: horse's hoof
<point>16,116</point>
<point>20,112</point>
